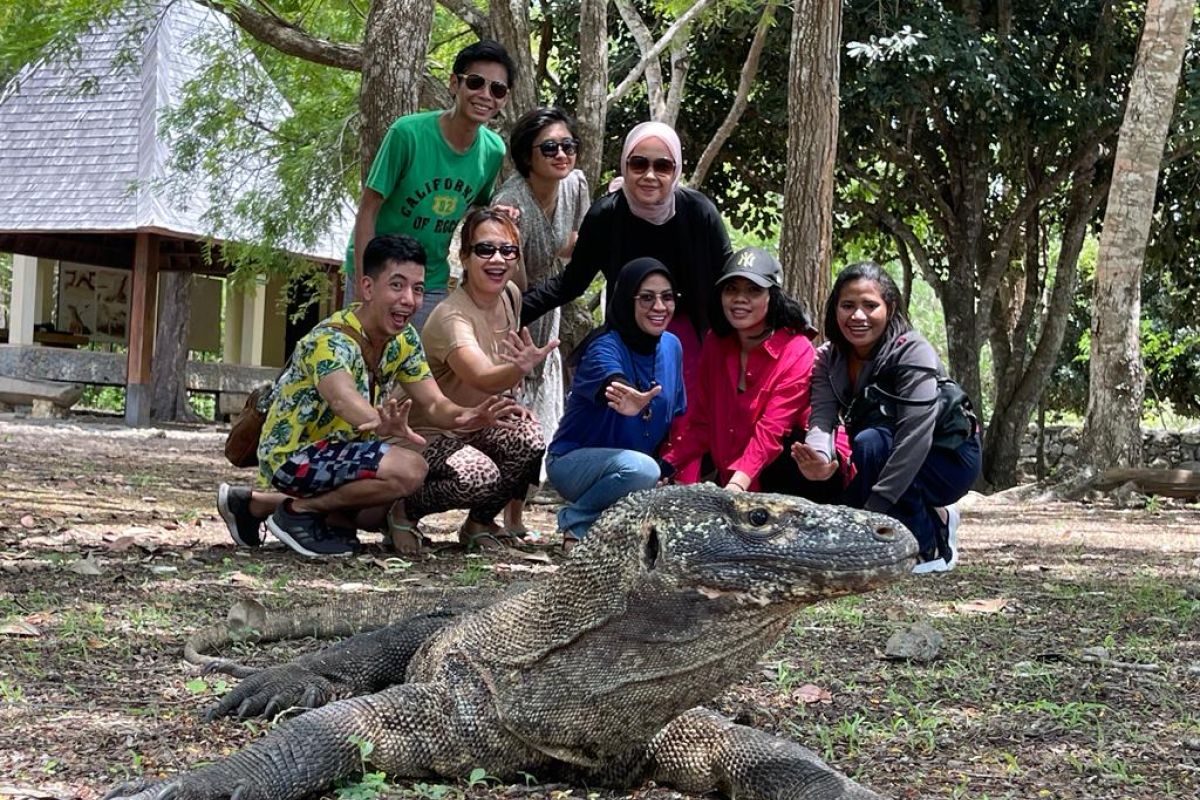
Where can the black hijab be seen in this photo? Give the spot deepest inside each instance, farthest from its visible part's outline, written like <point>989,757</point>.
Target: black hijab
<point>621,315</point>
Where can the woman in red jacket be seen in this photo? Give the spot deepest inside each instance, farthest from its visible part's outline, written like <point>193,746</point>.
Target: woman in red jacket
<point>752,397</point>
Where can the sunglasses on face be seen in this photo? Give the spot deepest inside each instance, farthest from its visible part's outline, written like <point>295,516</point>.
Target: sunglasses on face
<point>661,166</point>
<point>550,147</point>
<point>486,250</point>
<point>475,82</point>
<point>647,300</point>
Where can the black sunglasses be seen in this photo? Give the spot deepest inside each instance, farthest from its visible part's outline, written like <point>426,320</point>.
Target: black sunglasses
<point>661,166</point>
<point>550,147</point>
<point>475,82</point>
<point>487,249</point>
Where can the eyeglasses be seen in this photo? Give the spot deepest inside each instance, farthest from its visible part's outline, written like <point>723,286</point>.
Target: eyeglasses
<point>486,250</point>
<point>650,299</point>
<point>550,147</point>
<point>475,82</point>
<point>661,166</point>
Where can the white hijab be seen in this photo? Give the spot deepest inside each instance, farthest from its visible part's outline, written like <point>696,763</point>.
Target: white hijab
<point>654,213</point>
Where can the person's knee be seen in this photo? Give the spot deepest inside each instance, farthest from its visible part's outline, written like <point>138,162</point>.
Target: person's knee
<point>870,446</point>
<point>639,471</point>
<point>403,470</point>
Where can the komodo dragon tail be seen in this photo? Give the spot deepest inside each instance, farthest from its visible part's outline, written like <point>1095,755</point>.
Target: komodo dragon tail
<point>250,621</point>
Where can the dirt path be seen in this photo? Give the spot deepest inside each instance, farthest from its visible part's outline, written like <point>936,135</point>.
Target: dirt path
<point>111,552</point>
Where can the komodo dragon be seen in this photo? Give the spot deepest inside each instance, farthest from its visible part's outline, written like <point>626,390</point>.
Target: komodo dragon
<point>587,676</point>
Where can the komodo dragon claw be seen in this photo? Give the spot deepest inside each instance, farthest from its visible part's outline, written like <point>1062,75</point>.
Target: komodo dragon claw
<point>277,689</point>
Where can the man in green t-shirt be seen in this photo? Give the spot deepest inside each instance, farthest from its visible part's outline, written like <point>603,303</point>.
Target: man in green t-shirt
<point>432,166</point>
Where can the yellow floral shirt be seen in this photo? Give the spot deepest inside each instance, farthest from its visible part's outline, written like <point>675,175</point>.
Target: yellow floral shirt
<point>299,416</point>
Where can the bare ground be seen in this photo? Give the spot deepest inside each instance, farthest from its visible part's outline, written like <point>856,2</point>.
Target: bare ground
<point>111,551</point>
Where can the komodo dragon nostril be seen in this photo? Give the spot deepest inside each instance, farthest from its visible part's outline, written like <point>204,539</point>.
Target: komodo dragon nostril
<point>885,532</point>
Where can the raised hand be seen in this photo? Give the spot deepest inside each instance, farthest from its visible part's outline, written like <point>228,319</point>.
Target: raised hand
<point>624,399</point>
<point>812,464</point>
<point>520,351</point>
<point>392,422</point>
<point>497,411</point>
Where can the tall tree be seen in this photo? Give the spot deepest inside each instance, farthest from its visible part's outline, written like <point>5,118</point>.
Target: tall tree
<point>971,142</point>
<point>805,241</point>
<point>1112,434</point>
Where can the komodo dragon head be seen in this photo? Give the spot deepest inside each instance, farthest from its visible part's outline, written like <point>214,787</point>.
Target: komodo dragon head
<point>675,594</point>
<point>761,548</point>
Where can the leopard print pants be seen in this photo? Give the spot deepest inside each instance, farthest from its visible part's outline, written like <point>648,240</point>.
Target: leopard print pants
<point>481,471</point>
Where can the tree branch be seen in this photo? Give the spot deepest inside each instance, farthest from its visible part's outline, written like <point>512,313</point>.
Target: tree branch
<point>652,55</point>
<point>290,39</point>
<point>679,71</point>
<point>645,42</point>
<point>469,13</point>
<point>741,98</point>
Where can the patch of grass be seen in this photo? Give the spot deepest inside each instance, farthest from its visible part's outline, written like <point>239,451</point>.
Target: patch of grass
<point>10,692</point>
<point>472,572</point>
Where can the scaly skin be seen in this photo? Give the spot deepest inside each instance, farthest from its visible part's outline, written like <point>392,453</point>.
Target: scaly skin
<point>590,675</point>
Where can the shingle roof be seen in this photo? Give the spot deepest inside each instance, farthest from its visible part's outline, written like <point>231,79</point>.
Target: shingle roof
<point>75,160</point>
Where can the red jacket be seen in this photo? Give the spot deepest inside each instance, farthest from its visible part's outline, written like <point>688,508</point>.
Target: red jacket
<point>745,430</point>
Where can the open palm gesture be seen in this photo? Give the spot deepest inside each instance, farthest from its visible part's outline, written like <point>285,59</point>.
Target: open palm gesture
<point>392,422</point>
<point>624,399</point>
<point>520,351</point>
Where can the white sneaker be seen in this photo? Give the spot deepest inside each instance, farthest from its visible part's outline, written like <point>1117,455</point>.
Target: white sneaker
<point>953,517</point>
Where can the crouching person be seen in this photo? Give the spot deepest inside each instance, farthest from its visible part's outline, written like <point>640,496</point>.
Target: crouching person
<point>324,447</point>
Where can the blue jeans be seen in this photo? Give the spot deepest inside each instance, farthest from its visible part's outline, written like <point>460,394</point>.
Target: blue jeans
<point>593,478</point>
<point>943,479</point>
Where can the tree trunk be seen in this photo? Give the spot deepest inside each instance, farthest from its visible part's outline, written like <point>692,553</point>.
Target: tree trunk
<point>805,242</point>
<point>168,395</point>
<point>592,110</point>
<point>1112,433</point>
<point>394,47</point>
<point>510,26</point>
<point>1025,383</point>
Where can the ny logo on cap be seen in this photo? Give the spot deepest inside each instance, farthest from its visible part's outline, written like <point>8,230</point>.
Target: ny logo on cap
<point>746,259</point>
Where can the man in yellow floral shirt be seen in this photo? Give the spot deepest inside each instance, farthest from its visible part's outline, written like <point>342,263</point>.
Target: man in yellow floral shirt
<point>324,444</point>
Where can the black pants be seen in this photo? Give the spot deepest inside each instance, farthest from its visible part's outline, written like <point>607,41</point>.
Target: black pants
<point>782,476</point>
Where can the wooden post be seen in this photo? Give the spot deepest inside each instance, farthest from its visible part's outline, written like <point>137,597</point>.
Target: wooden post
<point>143,302</point>
<point>22,310</point>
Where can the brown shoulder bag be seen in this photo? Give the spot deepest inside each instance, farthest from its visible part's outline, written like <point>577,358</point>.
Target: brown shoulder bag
<point>241,445</point>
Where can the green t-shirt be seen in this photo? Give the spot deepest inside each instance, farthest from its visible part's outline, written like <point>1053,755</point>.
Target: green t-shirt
<point>427,186</point>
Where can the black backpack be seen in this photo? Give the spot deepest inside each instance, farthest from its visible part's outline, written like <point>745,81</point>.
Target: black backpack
<point>874,407</point>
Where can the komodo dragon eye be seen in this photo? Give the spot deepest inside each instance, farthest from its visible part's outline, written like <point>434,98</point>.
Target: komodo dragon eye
<point>759,517</point>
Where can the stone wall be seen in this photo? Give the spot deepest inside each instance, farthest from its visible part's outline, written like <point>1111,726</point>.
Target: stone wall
<point>1174,449</point>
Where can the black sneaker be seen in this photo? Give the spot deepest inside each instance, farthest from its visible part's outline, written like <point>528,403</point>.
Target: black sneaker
<point>347,535</point>
<point>233,504</point>
<point>306,533</point>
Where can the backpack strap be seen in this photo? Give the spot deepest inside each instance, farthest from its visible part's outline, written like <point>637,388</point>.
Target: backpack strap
<point>370,357</point>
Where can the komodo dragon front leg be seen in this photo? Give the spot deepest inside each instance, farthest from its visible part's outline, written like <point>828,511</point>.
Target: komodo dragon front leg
<point>701,751</point>
<point>308,754</point>
<point>362,664</point>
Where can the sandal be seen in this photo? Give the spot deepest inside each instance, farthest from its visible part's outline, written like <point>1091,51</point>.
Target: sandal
<point>525,536</point>
<point>404,538</point>
<point>492,539</point>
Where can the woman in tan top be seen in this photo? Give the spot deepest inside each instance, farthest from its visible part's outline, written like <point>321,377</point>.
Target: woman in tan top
<point>476,348</point>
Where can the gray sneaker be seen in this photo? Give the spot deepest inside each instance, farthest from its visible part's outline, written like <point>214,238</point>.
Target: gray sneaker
<point>233,504</point>
<point>307,534</point>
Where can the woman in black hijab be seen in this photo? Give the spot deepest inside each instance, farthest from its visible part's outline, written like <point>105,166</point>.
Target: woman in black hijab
<point>628,388</point>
